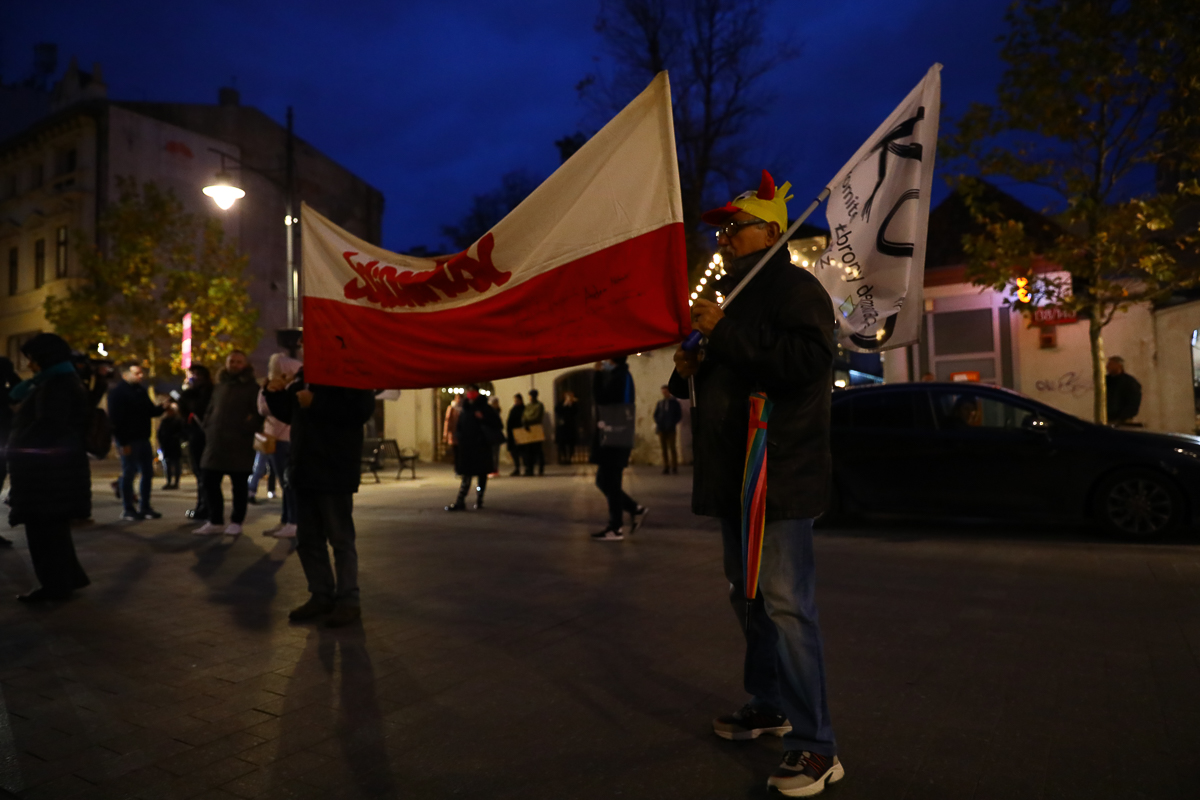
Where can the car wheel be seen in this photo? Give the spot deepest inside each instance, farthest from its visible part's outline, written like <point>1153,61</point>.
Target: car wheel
<point>1139,504</point>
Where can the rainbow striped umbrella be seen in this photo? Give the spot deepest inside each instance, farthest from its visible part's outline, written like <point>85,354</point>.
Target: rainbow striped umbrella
<point>754,493</point>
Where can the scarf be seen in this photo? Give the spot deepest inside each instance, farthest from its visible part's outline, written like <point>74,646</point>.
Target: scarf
<point>25,388</point>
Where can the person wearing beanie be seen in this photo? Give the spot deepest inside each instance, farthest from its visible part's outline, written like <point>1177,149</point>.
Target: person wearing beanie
<point>777,340</point>
<point>48,465</point>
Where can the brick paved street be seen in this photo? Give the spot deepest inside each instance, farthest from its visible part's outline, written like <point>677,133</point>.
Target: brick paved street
<point>503,655</point>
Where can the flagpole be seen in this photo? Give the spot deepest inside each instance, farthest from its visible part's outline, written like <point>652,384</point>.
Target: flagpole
<point>692,342</point>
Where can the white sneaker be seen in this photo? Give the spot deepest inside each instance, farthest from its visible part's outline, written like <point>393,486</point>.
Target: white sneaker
<point>233,529</point>
<point>208,529</point>
<point>272,531</point>
<point>285,532</point>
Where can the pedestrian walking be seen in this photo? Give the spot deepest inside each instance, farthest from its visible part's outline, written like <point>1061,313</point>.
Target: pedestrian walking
<point>170,445</point>
<point>48,465</point>
<point>131,410</point>
<point>282,368</point>
<point>777,340</point>
<point>229,430</point>
<point>566,427</point>
<point>494,402</point>
<point>533,419</point>
<point>667,415</point>
<point>324,467</point>
<point>193,408</point>
<point>516,416</point>
<point>8,381</point>
<point>612,442</point>
<point>1123,393</point>
<point>478,429</point>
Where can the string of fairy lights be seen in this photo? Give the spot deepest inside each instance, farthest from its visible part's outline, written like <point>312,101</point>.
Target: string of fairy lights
<point>801,253</point>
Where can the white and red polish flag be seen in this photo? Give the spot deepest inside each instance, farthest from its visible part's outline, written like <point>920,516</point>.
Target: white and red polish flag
<point>592,264</point>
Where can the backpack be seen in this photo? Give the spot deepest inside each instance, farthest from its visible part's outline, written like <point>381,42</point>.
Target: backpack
<point>99,435</point>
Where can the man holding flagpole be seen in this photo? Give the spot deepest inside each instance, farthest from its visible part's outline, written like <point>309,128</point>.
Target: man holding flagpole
<point>777,345</point>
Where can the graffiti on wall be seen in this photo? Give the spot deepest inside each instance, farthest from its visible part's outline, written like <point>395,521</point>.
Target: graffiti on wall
<point>1069,383</point>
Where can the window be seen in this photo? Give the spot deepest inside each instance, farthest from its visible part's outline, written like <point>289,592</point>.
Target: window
<point>60,252</point>
<point>37,176</point>
<point>14,271</point>
<point>887,410</point>
<point>961,410</point>
<point>39,263</point>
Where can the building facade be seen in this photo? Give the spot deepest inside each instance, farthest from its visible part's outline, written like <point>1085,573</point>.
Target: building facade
<point>60,169</point>
<point>977,333</point>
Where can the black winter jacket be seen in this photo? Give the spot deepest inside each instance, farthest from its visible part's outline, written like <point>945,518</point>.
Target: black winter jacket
<point>777,338</point>
<point>193,408</point>
<point>611,387</point>
<point>327,437</point>
<point>231,423</point>
<point>473,448</point>
<point>516,419</point>
<point>47,462</point>
<point>130,410</point>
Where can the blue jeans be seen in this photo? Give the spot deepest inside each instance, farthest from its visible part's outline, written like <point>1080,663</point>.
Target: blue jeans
<point>785,667</point>
<point>140,459</point>
<point>279,460</point>
<point>262,465</point>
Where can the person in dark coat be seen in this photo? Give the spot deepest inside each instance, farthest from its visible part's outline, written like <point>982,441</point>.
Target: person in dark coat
<point>48,463</point>
<point>8,381</point>
<point>667,415</point>
<point>324,467</point>
<point>478,423</point>
<point>229,430</point>
<point>130,410</point>
<point>612,385</point>
<point>170,444</point>
<point>1123,391</point>
<point>193,408</point>
<point>778,338</point>
<point>515,420</point>
<point>566,427</point>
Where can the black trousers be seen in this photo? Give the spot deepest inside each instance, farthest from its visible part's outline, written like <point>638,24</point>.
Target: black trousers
<point>465,487</point>
<point>608,480</point>
<point>535,454</point>
<point>53,554</point>
<point>195,451</point>
<point>216,501</point>
<point>325,520</point>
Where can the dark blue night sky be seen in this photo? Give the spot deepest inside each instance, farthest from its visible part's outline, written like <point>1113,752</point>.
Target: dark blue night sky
<point>433,102</point>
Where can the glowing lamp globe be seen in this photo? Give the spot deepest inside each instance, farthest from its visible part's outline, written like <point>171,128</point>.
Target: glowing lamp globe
<point>223,192</point>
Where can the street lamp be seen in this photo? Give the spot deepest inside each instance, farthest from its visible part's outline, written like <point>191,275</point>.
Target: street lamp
<point>225,193</point>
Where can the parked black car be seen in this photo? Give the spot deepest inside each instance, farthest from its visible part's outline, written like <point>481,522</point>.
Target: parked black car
<point>971,450</point>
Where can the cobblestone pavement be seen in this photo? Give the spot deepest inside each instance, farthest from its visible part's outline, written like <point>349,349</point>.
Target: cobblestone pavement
<point>503,655</point>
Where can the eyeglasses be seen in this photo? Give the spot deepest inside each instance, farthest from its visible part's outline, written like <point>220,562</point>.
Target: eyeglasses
<point>731,229</point>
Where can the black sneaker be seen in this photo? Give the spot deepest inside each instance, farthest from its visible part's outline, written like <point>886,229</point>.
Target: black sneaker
<point>803,774</point>
<point>458,506</point>
<point>637,518</point>
<point>132,516</point>
<point>315,607</point>
<point>750,723</point>
<point>150,513</point>
<point>608,535</point>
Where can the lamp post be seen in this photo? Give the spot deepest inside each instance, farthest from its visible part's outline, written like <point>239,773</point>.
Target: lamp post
<point>225,192</point>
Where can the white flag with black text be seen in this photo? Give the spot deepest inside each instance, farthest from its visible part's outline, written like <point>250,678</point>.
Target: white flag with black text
<point>878,215</point>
